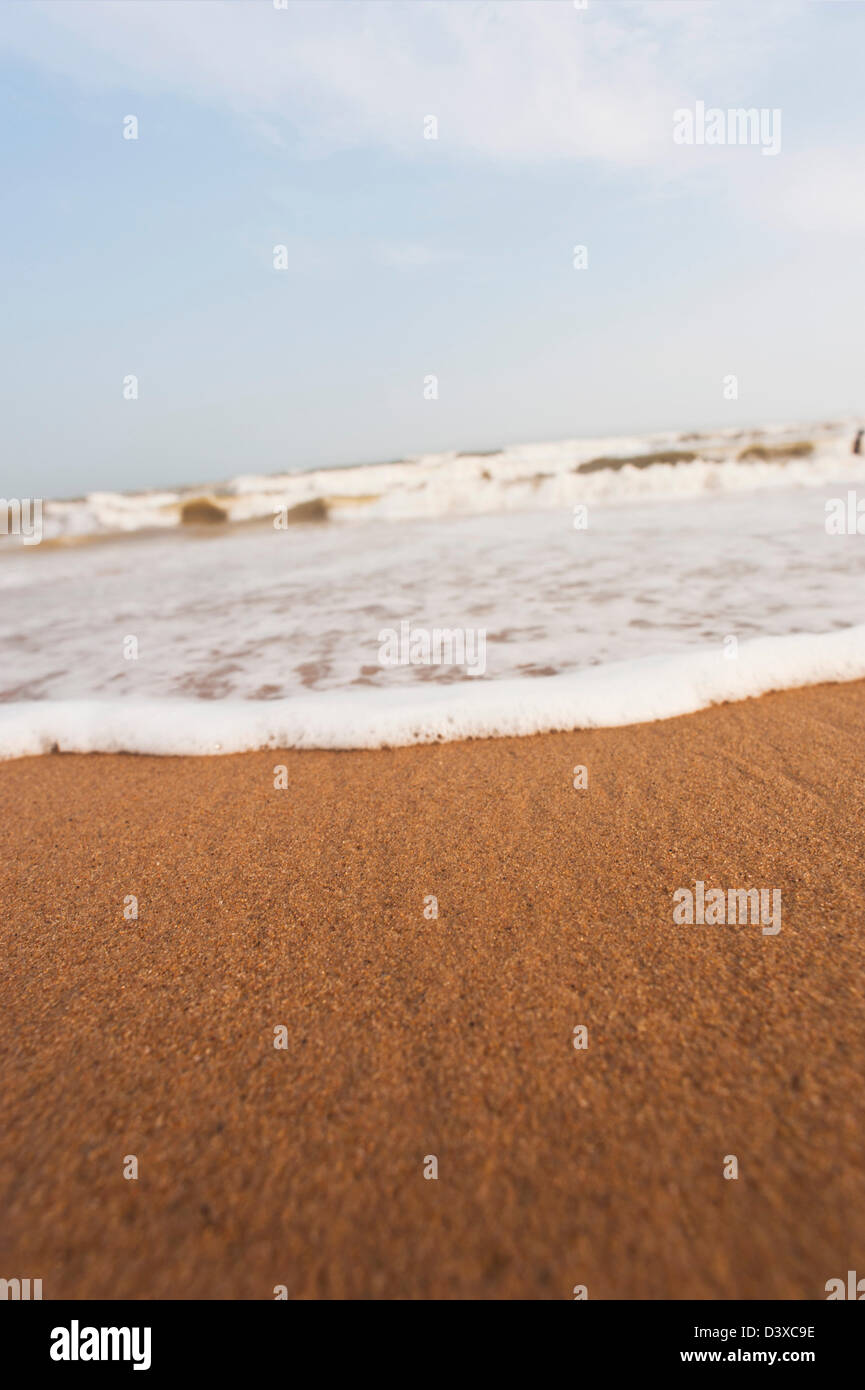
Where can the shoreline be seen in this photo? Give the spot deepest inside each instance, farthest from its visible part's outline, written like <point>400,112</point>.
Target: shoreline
<point>409,1036</point>
<point>627,693</point>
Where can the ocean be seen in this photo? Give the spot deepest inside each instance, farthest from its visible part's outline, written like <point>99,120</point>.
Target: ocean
<point>606,581</point>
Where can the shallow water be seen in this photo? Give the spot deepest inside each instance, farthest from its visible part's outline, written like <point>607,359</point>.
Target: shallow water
<point>252,613</point>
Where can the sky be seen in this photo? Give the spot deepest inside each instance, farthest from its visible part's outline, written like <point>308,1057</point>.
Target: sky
<point>303,125</point>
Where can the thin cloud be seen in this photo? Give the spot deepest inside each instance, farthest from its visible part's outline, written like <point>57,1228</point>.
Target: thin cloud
<point>506,80</point>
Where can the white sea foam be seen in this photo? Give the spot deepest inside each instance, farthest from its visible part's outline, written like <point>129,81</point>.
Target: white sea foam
<point>515,479</point>
<point>630,692</point>
<point>251,636</point>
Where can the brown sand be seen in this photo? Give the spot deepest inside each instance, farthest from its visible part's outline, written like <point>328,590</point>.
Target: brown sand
<point>453,1037</point>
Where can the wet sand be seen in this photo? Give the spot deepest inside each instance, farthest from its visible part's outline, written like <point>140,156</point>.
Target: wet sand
<point>410,1036</point>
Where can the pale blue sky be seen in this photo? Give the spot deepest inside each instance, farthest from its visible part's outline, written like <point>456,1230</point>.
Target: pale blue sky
<point>304,127</point>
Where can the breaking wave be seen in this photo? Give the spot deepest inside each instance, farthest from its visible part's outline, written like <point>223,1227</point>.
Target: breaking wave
<point>628,692</point>
<point>519,478</point>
